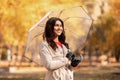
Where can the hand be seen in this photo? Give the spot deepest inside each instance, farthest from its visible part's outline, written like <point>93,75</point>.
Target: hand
<point>75,61</point>
<point>70,55</point>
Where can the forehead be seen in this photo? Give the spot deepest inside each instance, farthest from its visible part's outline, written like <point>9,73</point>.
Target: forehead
<point>58,22</point>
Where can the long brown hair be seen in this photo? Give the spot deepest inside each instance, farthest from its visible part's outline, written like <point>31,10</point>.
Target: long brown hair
<point>49,33</point>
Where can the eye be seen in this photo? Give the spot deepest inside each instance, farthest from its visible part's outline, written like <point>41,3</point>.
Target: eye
<point>58,25</point>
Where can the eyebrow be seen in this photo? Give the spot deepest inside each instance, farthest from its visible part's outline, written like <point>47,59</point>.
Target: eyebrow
<point>59,24</point>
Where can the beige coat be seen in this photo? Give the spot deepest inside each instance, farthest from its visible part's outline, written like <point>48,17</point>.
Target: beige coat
<point>55,62</point>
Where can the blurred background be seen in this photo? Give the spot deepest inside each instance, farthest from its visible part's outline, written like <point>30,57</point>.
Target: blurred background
<point>101,51</point>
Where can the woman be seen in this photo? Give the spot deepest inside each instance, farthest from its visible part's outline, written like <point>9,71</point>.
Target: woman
<point>53,51</point>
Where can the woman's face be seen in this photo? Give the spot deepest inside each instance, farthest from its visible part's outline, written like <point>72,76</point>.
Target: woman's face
<point>58,28</point>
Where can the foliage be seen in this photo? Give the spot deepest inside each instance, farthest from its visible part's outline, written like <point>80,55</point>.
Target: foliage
<point>17,17</point>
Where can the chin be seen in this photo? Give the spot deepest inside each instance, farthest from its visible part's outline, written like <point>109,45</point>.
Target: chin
<point>58,34</point>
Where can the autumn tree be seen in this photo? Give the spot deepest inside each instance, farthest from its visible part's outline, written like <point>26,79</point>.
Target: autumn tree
<point>18,16</point>
<point>115,10</point>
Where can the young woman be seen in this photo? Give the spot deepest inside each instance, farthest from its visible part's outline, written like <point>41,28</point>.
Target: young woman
<point>53,51</point>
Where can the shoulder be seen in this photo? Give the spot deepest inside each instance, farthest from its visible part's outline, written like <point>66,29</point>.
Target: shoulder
<point>45,46</point>
<point>44,43</point>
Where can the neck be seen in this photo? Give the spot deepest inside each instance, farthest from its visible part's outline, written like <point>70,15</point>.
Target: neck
<point>56,39</point>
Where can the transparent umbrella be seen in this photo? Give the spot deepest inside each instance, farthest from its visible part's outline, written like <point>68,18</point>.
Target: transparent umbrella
<point>77,24</point>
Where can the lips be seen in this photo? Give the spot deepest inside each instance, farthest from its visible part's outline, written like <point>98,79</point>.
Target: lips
<point>59,31</point>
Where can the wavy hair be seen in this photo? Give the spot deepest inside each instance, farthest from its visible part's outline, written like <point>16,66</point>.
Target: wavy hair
<point>49,34</point>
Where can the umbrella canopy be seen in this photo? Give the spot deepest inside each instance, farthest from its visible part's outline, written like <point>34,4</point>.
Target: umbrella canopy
<point>77,24</point>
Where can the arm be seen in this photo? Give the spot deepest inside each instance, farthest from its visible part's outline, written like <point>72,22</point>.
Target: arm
<point>47,60</point>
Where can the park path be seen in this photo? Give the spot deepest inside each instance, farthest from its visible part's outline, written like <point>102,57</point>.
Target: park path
<point>17,72</point>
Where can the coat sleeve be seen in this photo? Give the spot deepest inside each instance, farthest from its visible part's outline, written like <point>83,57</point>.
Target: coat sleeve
<point>47,60</point>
